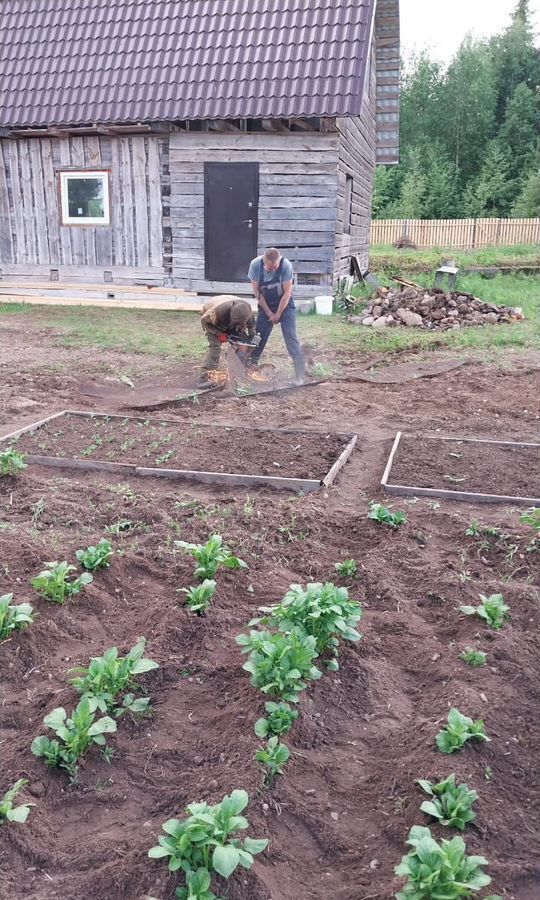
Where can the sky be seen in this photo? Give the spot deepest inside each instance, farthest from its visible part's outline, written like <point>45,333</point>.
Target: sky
<point>441,27</point>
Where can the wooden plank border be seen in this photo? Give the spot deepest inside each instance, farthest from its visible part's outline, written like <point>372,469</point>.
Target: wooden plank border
<point>445,494</point>
<point>300,485</point>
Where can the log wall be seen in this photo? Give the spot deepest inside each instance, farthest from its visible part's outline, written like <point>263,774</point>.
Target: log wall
<point>32,239</point>
<point>297,202</point>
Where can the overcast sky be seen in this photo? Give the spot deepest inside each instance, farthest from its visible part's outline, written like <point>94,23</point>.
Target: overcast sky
<point>441,27</point>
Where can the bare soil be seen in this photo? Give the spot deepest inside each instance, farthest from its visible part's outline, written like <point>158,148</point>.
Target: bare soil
<point>505,469</point>
<point>193,446</point>
<point>338,819</point>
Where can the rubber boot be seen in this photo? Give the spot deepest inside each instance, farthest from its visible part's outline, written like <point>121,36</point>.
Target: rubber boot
<point>299,370</point>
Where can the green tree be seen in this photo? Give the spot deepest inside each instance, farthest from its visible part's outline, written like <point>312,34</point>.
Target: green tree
<point>527,203</point>
<point>468,118</point>
<point>521,128</point>
<point>515,58</point>
<point>490,194</point>
<point>421,102</point>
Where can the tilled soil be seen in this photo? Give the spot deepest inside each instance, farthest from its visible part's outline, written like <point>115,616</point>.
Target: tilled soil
<point>338,818</point>
<point>193,446</point>
<point>508,470</point>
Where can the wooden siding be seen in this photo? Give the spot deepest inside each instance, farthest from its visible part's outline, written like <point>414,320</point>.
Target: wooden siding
<point>357,160</point>
<point>297,202</point>
<point>32,239</point>
<point>387,69</point>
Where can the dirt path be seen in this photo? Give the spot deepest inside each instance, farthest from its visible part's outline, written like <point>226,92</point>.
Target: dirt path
<point>339,817</point>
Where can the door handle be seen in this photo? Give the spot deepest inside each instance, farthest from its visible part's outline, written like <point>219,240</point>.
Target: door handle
<point>248,222</point>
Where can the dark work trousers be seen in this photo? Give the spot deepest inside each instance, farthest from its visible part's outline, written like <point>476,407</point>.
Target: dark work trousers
<point>214,352</point>
<point>288,328</point>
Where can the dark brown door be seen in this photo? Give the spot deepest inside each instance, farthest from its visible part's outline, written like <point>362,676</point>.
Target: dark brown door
<point>231,212</point>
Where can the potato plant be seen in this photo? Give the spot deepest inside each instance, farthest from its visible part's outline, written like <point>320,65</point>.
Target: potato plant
<point>323,611</point>
<point>8,811</point>
<point>11,462</point>
<point>474,658</point>
<point>211,556</point>
<point>382,514</point>
<point>206,842</point>
<point>108,676</point>
<point>459,730</point>
<point>13,617</point>
<point>442,870</point>
<point>451,804</point>
<point>98,557</point>
<point>74,735</point>
<point>347,569</point>
<point>531,517</point>
<point>199,598</point>
<point>280,663</point>
<point>56,583</point>
<point>273,757</point>
<point>280,718</point>
<point>492,610</point>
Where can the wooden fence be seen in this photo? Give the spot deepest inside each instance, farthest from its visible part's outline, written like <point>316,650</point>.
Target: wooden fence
<point>456,233</point>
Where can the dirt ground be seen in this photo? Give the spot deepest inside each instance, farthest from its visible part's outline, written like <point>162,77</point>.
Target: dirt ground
<point>338,818</point>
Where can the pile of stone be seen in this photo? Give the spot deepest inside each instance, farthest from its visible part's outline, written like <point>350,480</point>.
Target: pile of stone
<point>417,307</point>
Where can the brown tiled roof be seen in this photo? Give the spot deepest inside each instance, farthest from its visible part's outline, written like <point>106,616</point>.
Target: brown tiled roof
<point>68,62</point>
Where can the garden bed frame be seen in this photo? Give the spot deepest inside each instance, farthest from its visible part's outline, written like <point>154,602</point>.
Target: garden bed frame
<point>445,494</point>
<point>303,485</point>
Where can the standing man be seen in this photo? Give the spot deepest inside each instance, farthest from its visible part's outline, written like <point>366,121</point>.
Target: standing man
<point>271,277</point>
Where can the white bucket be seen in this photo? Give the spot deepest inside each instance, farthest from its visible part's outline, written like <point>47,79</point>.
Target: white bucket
<point>323,305</point>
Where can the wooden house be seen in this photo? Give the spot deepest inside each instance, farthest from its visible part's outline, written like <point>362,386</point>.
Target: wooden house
<point>170,141</point>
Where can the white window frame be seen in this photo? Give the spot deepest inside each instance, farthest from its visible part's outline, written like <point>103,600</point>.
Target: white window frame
<point>64,200</point>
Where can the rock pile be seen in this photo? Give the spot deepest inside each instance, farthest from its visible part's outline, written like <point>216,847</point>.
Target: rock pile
<point>416,307</point>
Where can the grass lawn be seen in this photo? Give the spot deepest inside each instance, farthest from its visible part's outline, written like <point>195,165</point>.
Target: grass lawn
<point>178,335</point>
<point>387,258</point>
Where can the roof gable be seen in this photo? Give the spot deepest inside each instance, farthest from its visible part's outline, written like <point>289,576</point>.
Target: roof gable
<point>74,62</point>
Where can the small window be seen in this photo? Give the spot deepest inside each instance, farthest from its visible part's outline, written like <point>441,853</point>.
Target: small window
<point>347,212</point>
<point>85,198</point>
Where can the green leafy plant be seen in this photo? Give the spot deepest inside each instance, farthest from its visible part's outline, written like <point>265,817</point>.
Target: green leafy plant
<point>200,597</point>
<point>211,556</point>
<point>531,517</point>
<point>474,658</point>
<point>98,557</point>
<point>280,663</point>
<point>459,730</point>
<point>13,617</point>
<point>474,528</point>
<point>492,609</point>
<point>452,803</point>
<point>56,584</point>
<point>120,527</point>
<point>205,843</point>
<point>11,462</point>
<point>347,569</point>
<point>279,721</point>
<point>273,757</point>
<point>439,871</point>
<point>382,514</point>
<point>323,611</point>
<point>12,813</point>
<point>108,676</point>
<point>74,735</point>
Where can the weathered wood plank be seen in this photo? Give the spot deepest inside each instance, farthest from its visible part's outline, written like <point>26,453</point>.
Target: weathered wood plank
<point>21,255</point>
<point>39,209</point>
<point>125,176</point>
<point>284,143</point>
<point>269,156</point>
<point>141,200</point>
<point>276,200</point>
<point>6,238</point>
<point>29,223</point>
<point>117,216</point>
<point>66,235</point>
<point>51,196</point>
<point>155,210</point>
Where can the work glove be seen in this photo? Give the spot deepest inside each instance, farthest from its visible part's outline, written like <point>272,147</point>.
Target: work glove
<point>222,338</point>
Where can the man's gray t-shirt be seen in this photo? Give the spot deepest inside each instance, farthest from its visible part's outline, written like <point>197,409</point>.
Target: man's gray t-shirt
<point>254,273</point>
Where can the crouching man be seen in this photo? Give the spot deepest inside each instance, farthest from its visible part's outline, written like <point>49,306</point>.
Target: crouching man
<point>271,277</point>
<point>222,317</point>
